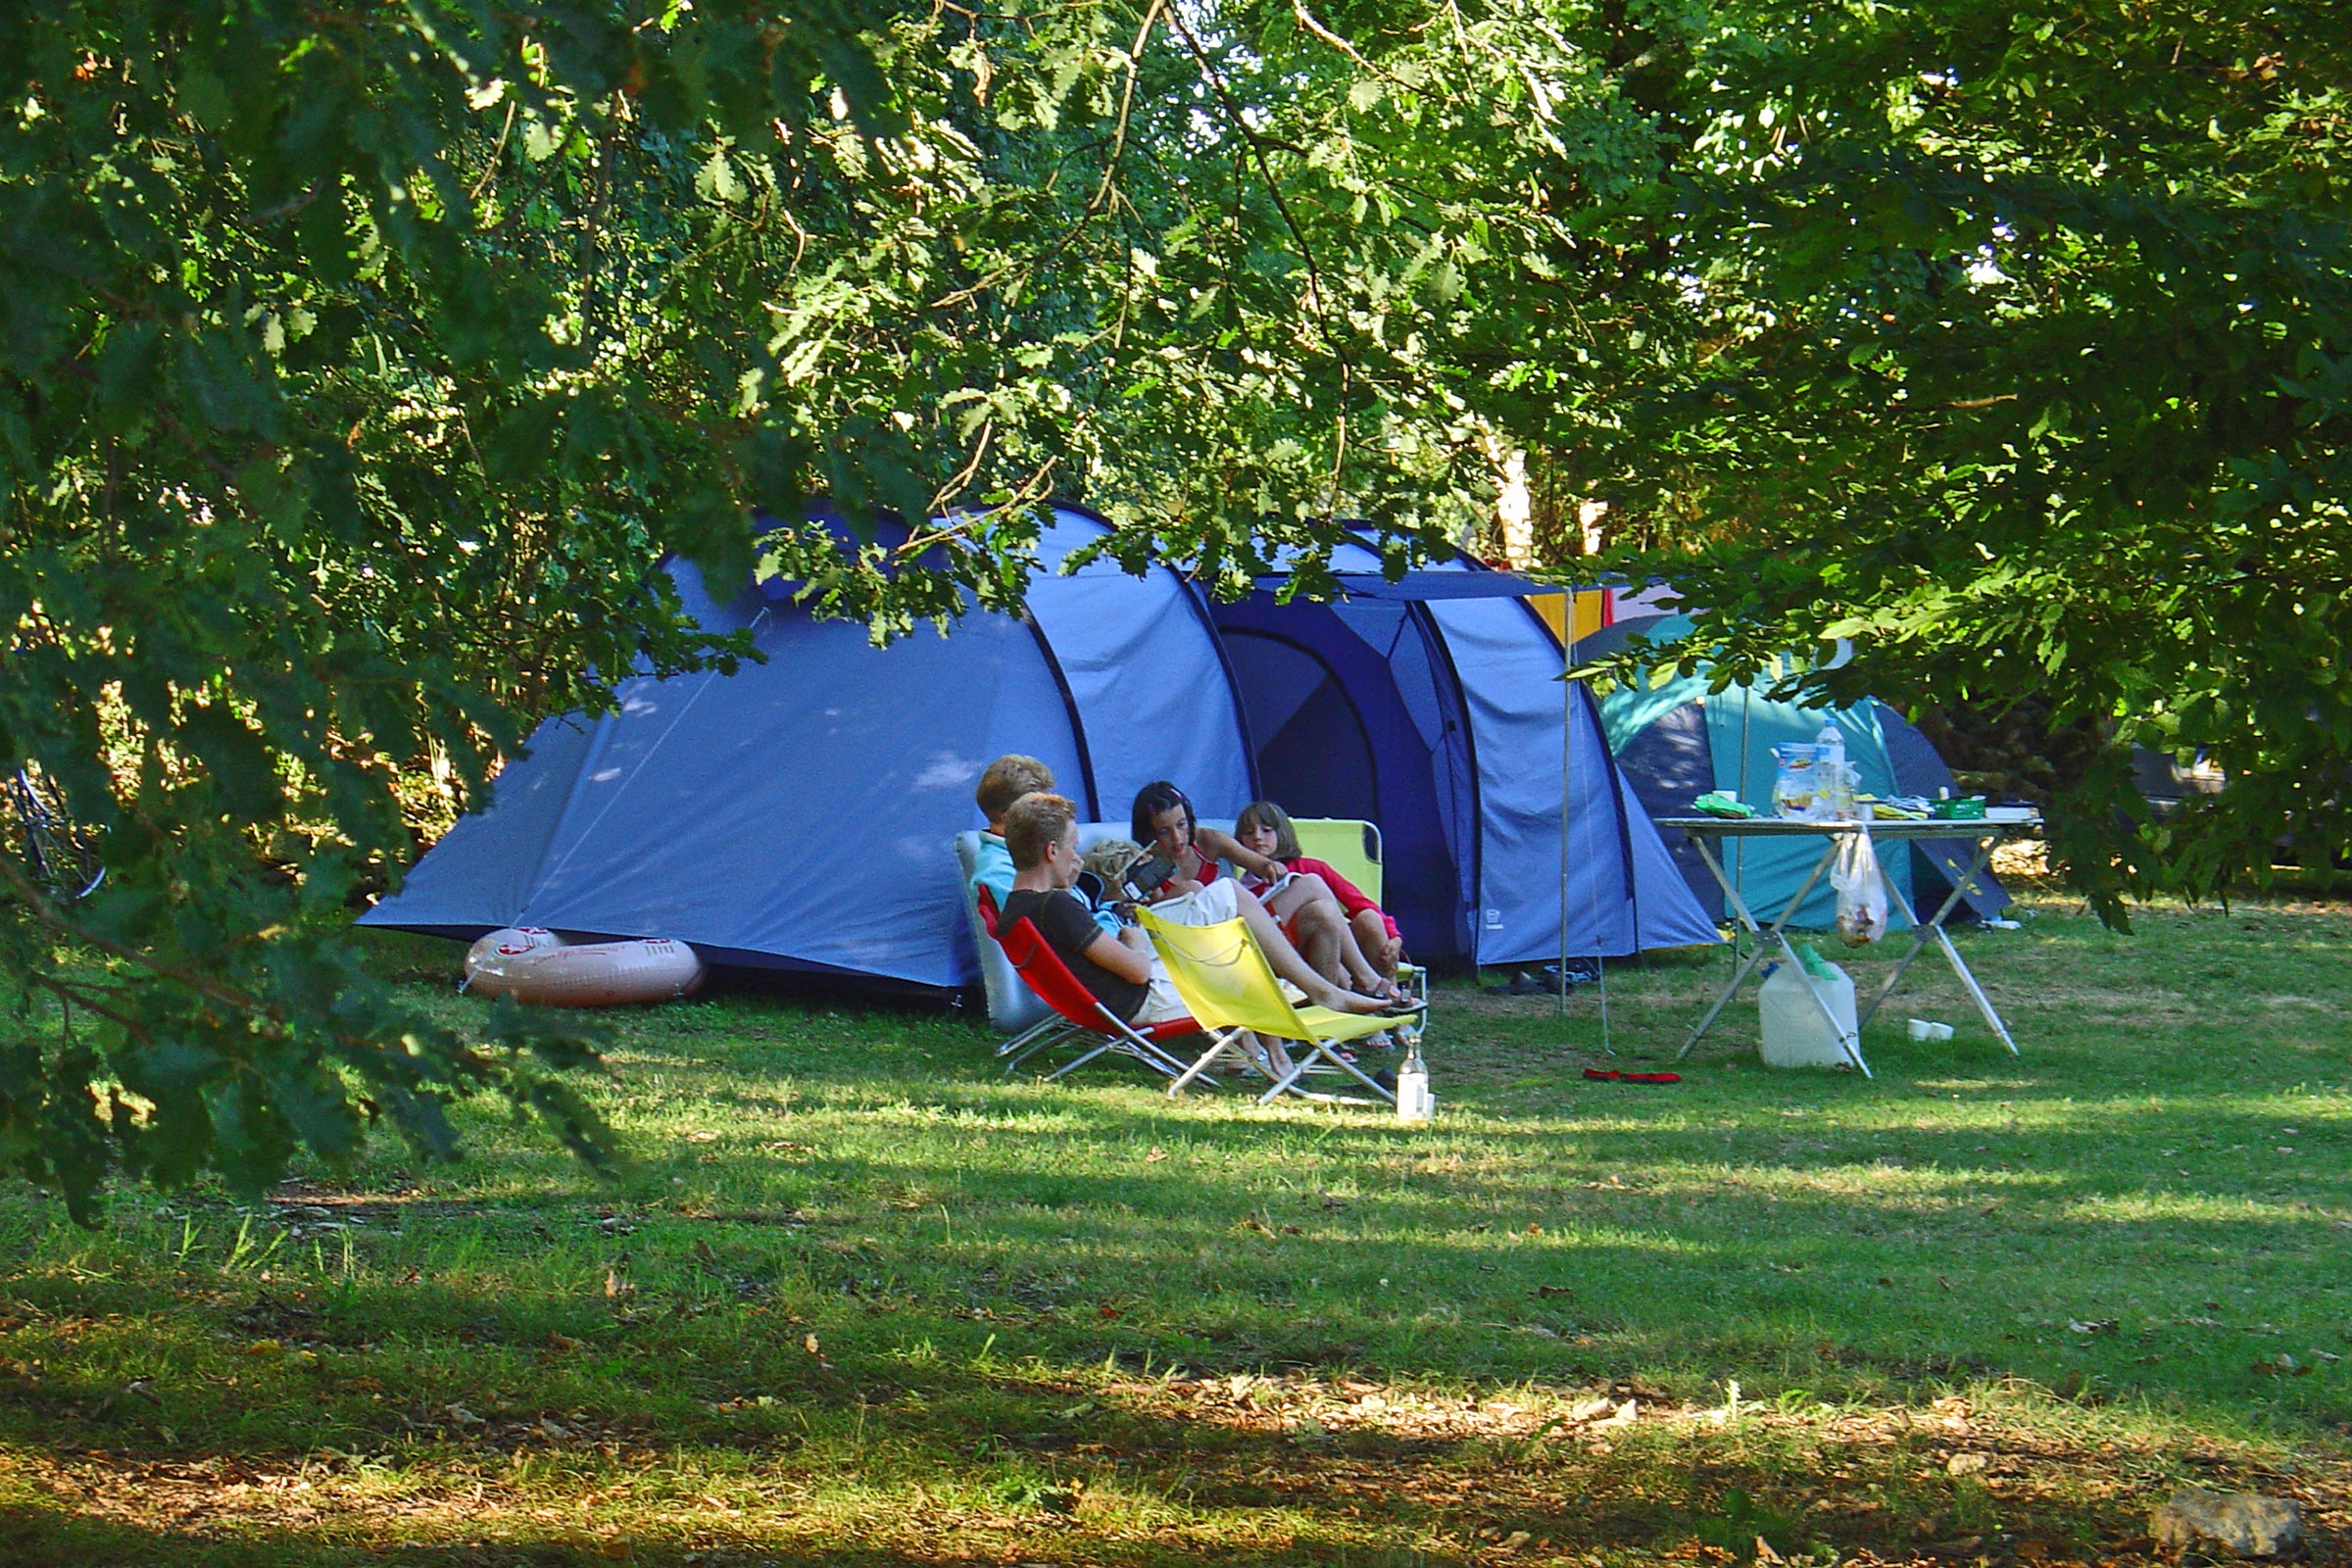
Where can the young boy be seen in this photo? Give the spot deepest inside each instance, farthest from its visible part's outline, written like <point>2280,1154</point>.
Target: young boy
<point>1002,782</point>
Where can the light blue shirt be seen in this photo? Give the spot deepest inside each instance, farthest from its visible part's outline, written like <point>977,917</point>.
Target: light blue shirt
<point>992,868</point>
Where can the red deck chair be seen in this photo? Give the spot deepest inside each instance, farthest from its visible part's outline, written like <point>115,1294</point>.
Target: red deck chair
<point>1076,1012</point>
<point>1045,1032</point>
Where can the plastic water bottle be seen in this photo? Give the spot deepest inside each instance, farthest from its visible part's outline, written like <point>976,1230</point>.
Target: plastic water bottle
<point>1414,1102</point>
<point>1795,1034</point>
<point>1834,800</point>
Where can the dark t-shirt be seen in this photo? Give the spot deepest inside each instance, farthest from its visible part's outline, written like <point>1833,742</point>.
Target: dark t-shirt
<point>1070,928</point>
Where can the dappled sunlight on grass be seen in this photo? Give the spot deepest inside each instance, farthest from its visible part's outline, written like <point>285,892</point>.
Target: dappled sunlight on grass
<point>852,1285</point>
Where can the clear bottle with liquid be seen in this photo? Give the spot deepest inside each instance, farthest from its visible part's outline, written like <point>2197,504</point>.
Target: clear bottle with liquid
<point>1833,797</point>
<point>1414,1101</point>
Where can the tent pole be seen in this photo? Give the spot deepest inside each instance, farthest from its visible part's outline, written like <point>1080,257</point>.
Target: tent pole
<point>1567,771</point>
<point>1740,845</point>
<point>1600,956</point>
<point>1568,642</point>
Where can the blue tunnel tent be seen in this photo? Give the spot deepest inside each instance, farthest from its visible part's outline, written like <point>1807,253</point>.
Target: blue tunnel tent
<point>1674,741</point>
<point>796,816</point>
<point>1434,706</point>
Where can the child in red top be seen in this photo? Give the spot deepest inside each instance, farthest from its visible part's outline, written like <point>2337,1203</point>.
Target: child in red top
<point>1264,829</point>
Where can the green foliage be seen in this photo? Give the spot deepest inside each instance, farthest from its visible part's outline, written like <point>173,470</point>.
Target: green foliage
<point>359,368</point>
<point>283,522</point>
<point>2011,343</point>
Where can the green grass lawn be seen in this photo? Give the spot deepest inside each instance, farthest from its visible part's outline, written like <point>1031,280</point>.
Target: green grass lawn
<point>859,1299</point>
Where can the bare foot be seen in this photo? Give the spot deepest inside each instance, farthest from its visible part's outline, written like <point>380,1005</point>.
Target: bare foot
<point>1350,1001</point>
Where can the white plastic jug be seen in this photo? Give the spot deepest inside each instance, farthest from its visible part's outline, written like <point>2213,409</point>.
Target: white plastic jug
<point>1795,1034</point>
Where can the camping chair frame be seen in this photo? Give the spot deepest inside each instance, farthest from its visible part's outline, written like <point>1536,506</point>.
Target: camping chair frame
<point>1232,990</point>
<point>1076,1011</point>
<point>1225,1046</point>
<point>1045,1034</point>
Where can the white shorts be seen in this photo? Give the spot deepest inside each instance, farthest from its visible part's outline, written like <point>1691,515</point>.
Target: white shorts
<point>1217,900</point>
<point>1211,905</point>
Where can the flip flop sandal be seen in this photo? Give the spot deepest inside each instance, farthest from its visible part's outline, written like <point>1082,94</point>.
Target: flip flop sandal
<point>1410,1008</point>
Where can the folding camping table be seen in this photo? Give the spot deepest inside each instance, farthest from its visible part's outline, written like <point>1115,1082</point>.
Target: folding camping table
<point>1703,831</point>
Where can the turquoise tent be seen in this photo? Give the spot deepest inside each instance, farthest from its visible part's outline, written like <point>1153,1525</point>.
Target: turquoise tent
<point>1674,740</point>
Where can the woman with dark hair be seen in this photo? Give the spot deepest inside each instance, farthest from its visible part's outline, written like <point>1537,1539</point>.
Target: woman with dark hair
<point>1310,912</point>
<point>1180,841</point>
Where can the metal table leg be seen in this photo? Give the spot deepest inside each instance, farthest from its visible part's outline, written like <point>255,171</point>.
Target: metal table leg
<point>1977,992</point>
<point>1934,930</point>
<point>1774,934</point>
<point>1741,969</point>
<point>1919,945</point>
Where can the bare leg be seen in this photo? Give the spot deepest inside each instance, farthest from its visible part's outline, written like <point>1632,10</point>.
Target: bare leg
<point>1326,924</point>
<point>1325,935</point>
<point>1309,927</point>
<point>1291,967</point>
<point>1319,945</point>
<point>1372,935</point>
<point>1314,945</point>
<point>1270,1053</point>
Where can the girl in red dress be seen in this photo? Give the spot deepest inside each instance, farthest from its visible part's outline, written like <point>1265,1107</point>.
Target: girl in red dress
<point>1264,829</point>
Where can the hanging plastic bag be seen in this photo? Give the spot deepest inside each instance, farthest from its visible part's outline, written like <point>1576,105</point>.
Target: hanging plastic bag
<point>1861,891</point>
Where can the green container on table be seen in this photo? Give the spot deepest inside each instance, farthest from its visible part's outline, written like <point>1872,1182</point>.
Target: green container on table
<point>1964,809</point>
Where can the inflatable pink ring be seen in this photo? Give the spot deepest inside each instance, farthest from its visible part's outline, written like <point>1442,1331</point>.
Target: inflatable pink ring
<point>535,965</point>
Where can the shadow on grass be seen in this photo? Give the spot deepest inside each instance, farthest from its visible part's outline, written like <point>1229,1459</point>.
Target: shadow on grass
<point>952,1463</point>
<point>890,1308</point>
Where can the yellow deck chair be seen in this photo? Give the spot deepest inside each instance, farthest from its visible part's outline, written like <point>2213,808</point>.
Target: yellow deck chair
<point>1228,986</point>
<point>1351,847</point>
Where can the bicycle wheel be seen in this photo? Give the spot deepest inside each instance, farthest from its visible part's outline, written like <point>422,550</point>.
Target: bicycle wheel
<point>61,855</point>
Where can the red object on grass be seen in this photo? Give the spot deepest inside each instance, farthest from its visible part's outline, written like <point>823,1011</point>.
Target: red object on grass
<point>1613,1077</point>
